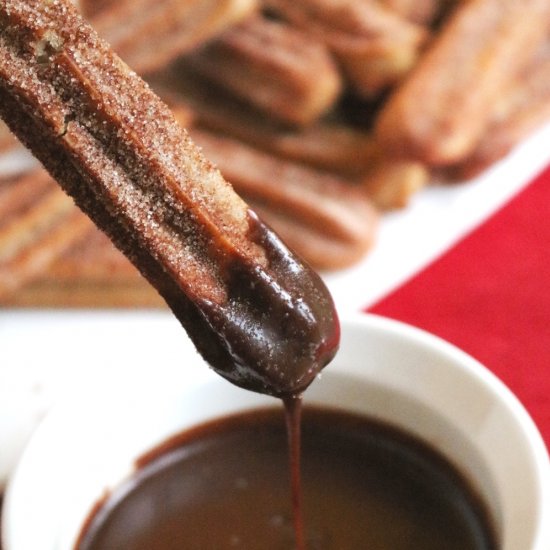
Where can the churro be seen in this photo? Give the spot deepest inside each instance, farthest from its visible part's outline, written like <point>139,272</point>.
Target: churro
<point>37,223</point>
<point>441,111</point>
<point>148,34</point>
<point>92,7</point>
<point>92,273</point>
<point>375,46</point>
<point>519,111</point>
<point>93,258</point>
<point>390,184</point>
<point>274,67</point>
<point>256,313</point>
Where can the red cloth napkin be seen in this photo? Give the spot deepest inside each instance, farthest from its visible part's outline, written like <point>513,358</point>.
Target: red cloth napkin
<point>490,295</point>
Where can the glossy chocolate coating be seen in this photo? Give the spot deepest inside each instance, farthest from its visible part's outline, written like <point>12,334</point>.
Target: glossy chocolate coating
<point>277,329</point>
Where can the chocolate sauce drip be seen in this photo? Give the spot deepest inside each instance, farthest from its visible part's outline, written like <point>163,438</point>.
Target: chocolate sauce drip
<point>293,417</point>
<point>274,334</point>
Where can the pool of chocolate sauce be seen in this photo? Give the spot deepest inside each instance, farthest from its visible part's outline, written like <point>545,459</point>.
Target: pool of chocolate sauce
<point>225,485</point>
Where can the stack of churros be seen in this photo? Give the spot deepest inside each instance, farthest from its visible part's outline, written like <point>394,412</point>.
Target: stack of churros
<point>322,114</point>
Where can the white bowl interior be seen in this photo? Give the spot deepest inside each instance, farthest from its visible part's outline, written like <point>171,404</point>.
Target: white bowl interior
<point>385,369</point>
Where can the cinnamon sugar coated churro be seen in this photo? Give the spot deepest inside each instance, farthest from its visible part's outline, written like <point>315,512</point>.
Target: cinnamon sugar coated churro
<point>91,273</point>
<point>173,26</point>
<point>274,67</point>
<point>517,113</point>
<point>375,46</point>
<point>440,113</point>
<point>377,97</point>
<point>37,223</point>
<point>116,148</point>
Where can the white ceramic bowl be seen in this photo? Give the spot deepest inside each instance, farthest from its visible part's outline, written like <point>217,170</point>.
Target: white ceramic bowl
<point>385,369</point>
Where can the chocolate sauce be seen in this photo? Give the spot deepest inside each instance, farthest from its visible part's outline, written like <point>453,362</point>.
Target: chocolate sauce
<point>225,485</point>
